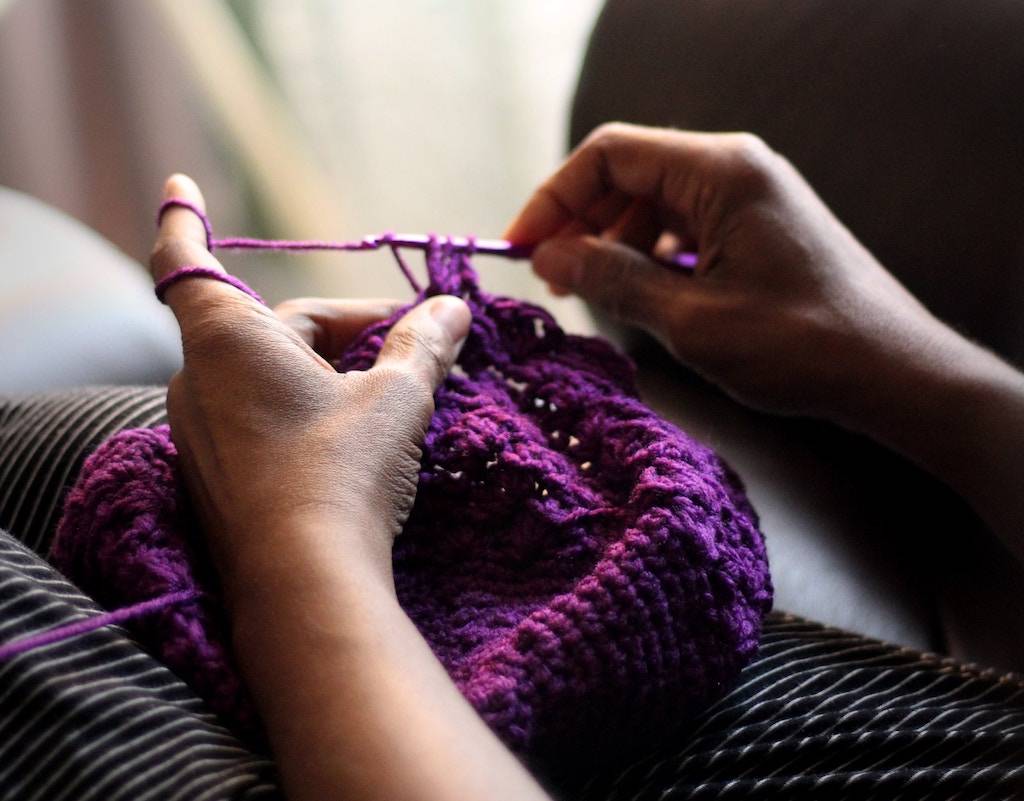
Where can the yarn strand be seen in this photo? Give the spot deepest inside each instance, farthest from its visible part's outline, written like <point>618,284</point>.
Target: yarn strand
<point>426,242</point>
<point>79,627</point>
<point>196,271</point>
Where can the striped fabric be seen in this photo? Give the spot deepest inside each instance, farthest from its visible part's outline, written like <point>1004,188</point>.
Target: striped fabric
<point>825,714</point>
<point>96,718</point>
<point>45,438</point>
<point>821,714</point>
<point>92,718</point>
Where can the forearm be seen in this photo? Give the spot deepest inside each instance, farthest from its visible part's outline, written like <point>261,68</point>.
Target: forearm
<point>958,411</point>
<point>355,704</point>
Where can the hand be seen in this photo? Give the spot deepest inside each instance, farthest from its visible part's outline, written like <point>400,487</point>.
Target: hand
<point>785,310</point>
<point>302,477</point>
<point>269,434</point>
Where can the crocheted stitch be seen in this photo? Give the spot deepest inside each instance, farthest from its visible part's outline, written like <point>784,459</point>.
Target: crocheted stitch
<point>583,569</point>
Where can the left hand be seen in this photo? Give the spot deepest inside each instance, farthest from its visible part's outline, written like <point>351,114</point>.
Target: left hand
<point>302,476</point>
<point>271,438</point>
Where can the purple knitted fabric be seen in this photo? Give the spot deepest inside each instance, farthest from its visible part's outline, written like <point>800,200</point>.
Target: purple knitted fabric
<point>583,569</point>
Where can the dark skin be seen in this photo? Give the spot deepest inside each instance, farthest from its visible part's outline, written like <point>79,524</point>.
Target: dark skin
<point>303,477</point>
<point>786,310</point>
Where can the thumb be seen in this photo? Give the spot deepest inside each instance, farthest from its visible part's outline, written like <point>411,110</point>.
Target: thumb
<point>427,340</point>
<point>329,325</point>
<point>616,278</point>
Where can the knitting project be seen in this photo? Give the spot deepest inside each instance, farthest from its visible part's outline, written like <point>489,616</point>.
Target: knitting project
<point>585,571</point>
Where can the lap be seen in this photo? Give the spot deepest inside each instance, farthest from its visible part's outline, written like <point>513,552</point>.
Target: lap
<point>95,717</point>
<point>823,713</point>
<point>819,713</point>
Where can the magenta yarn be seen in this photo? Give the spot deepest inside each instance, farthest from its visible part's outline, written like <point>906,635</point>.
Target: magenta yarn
<point>195,271</point>
<point>585,571</point>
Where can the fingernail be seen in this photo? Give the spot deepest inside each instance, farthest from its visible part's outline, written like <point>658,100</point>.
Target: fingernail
<point>452,314</point>
<point>559,263</point>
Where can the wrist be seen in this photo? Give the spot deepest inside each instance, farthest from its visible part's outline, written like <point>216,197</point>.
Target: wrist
<point>950,406</point>
<point>301,552</point>
<point>905,378</point>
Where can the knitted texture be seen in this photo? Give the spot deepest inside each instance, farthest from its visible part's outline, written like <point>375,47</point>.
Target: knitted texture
<point>583,569</point>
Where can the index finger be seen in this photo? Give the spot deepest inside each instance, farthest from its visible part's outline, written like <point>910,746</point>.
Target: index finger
<point>182,242</point>
<point>637,161</point>
<point>181,231</point>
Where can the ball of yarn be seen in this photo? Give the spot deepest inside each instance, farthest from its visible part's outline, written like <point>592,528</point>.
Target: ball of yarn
<point>582,568</point>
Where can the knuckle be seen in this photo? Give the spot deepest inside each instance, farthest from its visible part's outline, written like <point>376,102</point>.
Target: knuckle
<point>749,146</point>
<point>169,253</point>
<point>406,340</point>
<point>295,314</point>
<point>609,134</point>
<point>293,307</point>
<point>163,256</point>
<point>288,308</point>
<point>751,163</point>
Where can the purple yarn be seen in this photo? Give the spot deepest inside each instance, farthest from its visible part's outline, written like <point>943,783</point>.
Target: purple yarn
<point>128,536</point>
<point>683,260</point>
<point>585,571</point>
<point>468,245</point>
<point>191,271</point>
<point>85,625</point>
<point>183,203</point>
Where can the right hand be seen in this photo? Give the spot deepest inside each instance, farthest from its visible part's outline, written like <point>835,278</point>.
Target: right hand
<point>785,309</point>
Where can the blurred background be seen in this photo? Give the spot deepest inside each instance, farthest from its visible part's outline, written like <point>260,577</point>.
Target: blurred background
<point>298,118</point>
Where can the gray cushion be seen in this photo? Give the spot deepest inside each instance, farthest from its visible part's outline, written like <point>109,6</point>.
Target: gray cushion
<point>73,309</point>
